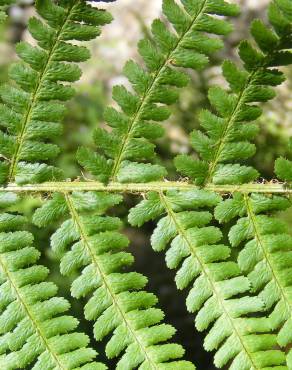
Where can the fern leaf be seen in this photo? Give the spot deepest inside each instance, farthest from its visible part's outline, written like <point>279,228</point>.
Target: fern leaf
<point>136,124</point>
<point>35,329</point>
<point>219,292</point>
<point>283,166</point>
<point>91,242</point>
<point>283,169</point>
<point>228,131</point>
<point>31,111</point>
<point>266,254</point>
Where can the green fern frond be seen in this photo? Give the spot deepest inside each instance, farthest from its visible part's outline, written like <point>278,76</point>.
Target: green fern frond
<point>219,293</point>
<point>117,300</point>
<point>32,112</point>
<point>136,125</point>
<point>228,132</point>
<point>35,330</point>
<point>266,255</point>
<point>241,295</point>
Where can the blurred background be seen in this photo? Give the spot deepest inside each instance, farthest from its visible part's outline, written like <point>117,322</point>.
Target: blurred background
<point>93,93</point>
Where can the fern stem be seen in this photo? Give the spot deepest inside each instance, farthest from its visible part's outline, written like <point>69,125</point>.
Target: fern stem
<point>25,306</point>
<point>34,98</point>
<point>205,271</point>
<point>148,94</point>
<point>83,235</point>
<point>159,186</point>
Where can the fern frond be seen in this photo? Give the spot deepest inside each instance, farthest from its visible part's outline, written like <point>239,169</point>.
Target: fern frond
<point>228,132</point>
<point>136,125</point>
<point>117,300</point>
<point>265,256</point>
<point>32,112</point>
<point>35,330</point>
<point>219,292</point>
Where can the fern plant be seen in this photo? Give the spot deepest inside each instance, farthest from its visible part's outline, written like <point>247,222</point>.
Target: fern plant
<point>239,274</point>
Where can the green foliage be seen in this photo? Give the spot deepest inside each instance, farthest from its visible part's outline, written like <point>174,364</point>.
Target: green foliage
<point>3,6</point>
<point>136,124</point>
<point>31,112</point>
<point>283,167</point>
<point>265,257</point>
<point>35,329</point>
<point>238,276</point>
<point>230,127</point>
<point>90,244</point>
<point>219,291</point>
<point>226,294</point>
